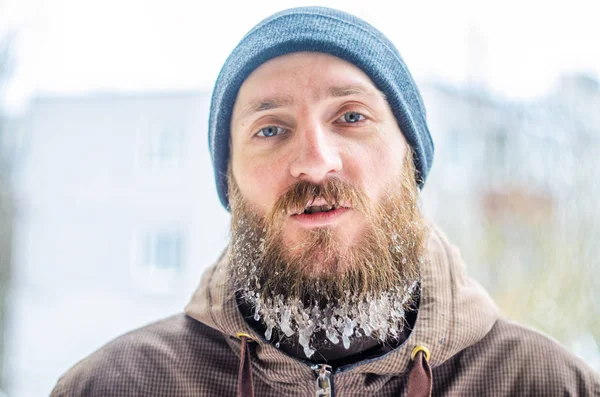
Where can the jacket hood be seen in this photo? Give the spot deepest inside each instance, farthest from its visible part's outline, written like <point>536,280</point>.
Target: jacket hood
<point>454,313</point>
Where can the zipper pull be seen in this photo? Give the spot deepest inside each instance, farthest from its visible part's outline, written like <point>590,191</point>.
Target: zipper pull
<point>323,372</point>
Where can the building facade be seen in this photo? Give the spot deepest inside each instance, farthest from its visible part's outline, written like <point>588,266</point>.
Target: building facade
<point>116,219</point>
<point>117,214</point>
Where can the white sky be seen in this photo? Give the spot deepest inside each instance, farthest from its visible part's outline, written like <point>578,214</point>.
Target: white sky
<point>73,46</point>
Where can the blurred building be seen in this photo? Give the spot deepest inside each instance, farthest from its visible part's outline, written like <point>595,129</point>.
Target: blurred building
<point>6,233</point>
<point>116,219</point>
<point>118,216</point>
<point>512,165</point>
<point>515,185</point>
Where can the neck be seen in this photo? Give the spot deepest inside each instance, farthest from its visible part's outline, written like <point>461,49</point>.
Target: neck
<point>336,355</point>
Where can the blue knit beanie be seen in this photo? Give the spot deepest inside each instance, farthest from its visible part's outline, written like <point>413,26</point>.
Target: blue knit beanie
<point>328,31</point>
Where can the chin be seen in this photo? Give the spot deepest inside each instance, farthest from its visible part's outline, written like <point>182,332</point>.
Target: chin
<point>317,260</point>
<point>321,266</point>
<point>342,236</point>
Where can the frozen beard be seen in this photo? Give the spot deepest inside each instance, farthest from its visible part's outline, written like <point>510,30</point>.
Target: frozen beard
<point>316,289</point>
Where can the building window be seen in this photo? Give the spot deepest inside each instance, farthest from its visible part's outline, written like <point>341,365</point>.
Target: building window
<point>157,261</point>
<point>455,147</point>
<point>162,250</point>
<point>160,146</point>
<point>165,148</point>
<point>496,157</point>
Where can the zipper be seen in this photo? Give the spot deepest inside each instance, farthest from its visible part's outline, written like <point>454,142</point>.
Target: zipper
<point>324,381</point>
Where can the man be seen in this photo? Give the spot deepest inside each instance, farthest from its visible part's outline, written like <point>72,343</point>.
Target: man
<point>333,283</point>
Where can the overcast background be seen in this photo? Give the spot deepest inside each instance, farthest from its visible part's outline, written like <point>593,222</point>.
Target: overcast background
<point>108,211</point>
<point>69,46</point>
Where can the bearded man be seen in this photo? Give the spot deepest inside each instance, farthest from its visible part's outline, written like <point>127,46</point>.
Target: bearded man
<point>333,282</point>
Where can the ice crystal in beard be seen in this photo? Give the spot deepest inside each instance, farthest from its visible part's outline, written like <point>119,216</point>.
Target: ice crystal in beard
<point>345,320</point>
<point>364,297</point>
<point>325,305</point>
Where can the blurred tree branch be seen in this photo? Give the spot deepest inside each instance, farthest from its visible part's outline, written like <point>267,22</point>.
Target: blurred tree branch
<point>6,206</point>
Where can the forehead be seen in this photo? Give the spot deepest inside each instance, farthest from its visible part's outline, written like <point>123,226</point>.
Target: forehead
<point>302,75</point>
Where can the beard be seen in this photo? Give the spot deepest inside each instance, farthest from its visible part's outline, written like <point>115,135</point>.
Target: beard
<point>320,290</point>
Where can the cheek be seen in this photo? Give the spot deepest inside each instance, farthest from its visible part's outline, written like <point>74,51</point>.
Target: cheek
<point>364,166</point>
<point>261,181</point>
<point>374,165</point>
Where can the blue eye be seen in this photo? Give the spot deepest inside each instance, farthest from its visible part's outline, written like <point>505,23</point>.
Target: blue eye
<point>270,131</point>
<point>353,117</point>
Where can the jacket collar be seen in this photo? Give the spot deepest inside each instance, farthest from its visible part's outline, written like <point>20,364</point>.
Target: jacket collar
<point>455,312</point>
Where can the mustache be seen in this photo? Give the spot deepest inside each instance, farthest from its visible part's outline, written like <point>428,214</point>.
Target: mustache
<point>333,190</point>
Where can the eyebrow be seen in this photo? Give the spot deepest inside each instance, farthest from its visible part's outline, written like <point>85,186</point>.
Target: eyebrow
<point>353,89</point>
<point>262,105</point>
<point>266,104</point>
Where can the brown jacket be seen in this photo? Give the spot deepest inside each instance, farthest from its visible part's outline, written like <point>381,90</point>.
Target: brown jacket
<point>473,351</point>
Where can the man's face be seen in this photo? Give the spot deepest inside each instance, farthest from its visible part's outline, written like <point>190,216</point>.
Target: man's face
<point>313,117</point>
<point>327,236</point>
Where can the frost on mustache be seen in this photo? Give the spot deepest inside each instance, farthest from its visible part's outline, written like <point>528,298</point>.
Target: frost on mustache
<point>351,317</point>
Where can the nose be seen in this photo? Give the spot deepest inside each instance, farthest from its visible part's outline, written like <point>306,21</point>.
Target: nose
<point>315,155</point>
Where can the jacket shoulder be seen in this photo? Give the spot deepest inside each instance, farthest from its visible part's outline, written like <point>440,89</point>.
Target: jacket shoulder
<point>163,358</point>
<point>526,362</point>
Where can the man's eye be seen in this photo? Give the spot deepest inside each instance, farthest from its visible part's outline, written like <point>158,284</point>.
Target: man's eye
<point>270,131</point>
<point>352,117</point>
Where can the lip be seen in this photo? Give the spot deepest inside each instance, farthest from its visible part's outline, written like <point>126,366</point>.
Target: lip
<point>322,201</point>
<point>321,218</point>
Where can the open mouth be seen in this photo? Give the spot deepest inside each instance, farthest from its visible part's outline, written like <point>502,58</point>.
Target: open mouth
<point>319,205</point>
<point>318,212</point>
<point>315,209</point>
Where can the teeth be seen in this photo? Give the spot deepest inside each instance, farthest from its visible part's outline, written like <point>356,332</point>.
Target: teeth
<point>318,208</point>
